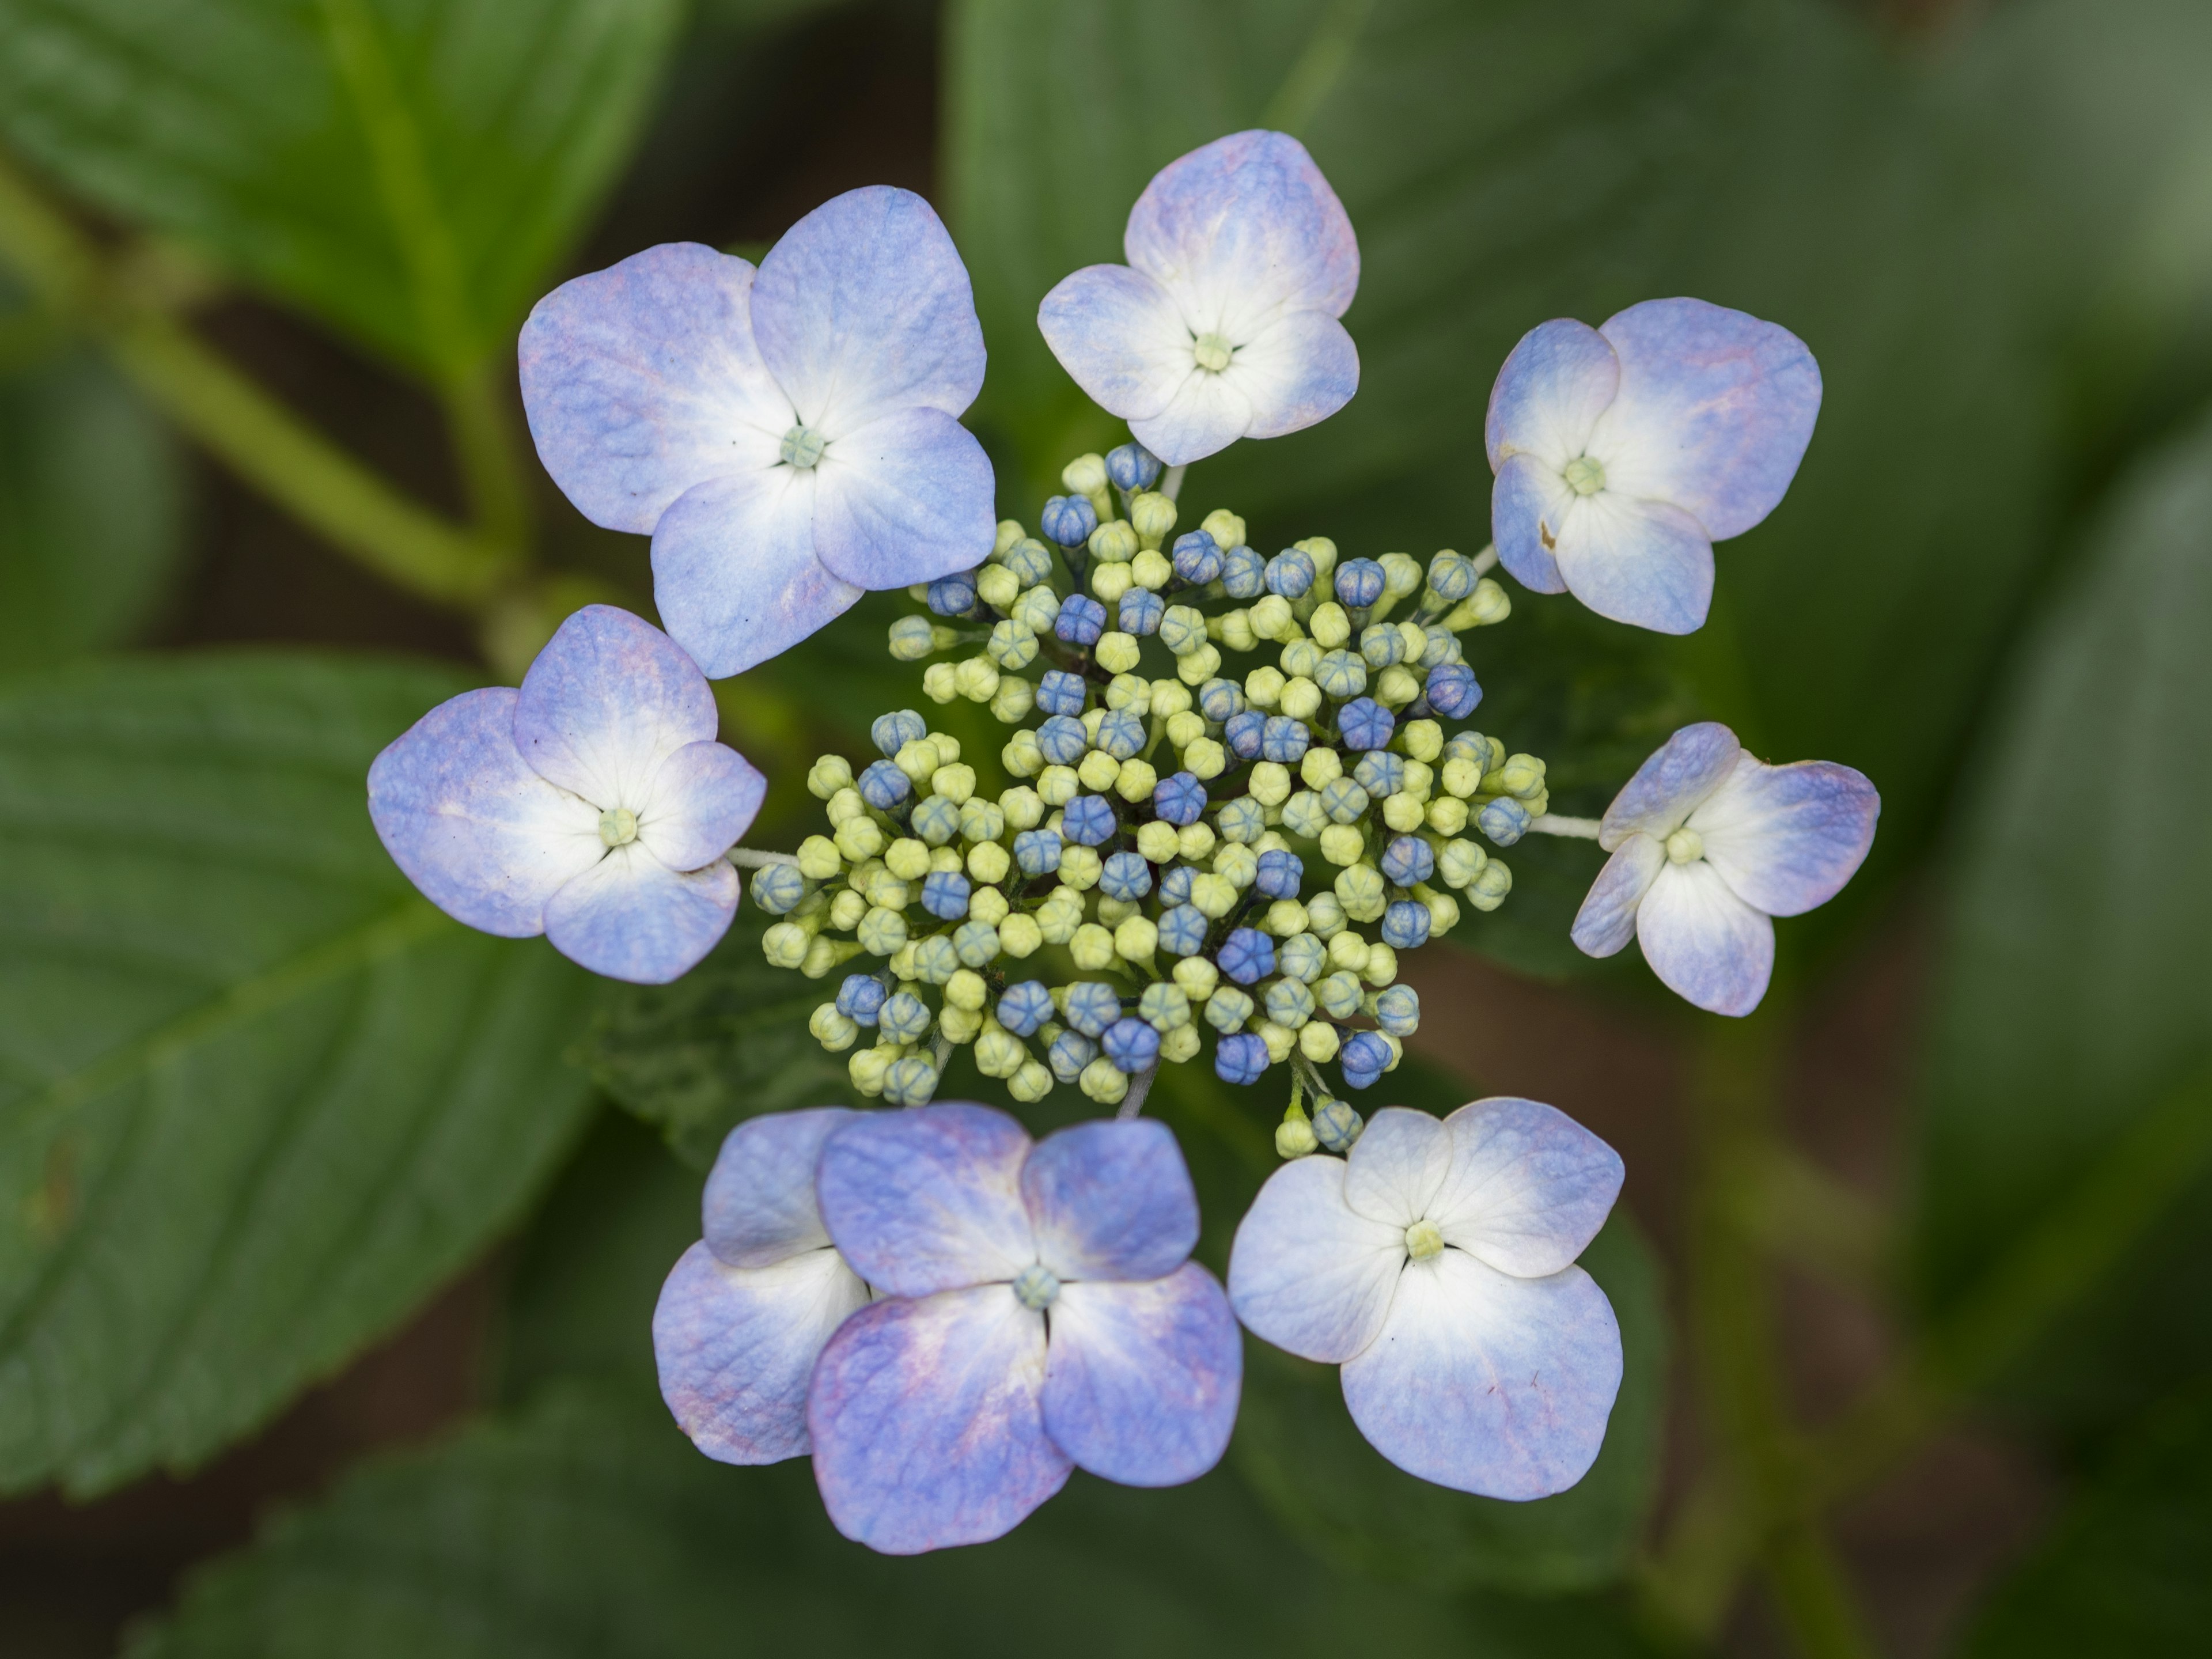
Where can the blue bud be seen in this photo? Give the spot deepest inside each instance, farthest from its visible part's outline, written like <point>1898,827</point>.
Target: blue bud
<point>1452,575</point>
<point>1242,732</point>
<point>944,895</point>
<point>1198,557</point>
<point>1247,955</point>
<point>1240,1058</point>
<point>903,1018</point>
<point>1340,674</point>
<point>1062,739</point>
<point>1359,583</point>
<point>1175,883</point>
<point>1088,820</point>
<point>1281,873</point>
<point>1381,644</point>
<point>1407,859</point>
<point>1069,519</point>
<point>1218,699</point>
<point>1131,466</point>
<point>861,996</point>
<point>1284,740</point>
<point>1023,1008</point>
<point>1243,573</point>
<point>1505,821</point>
<point>1121,733</point>
<point>1140,611</point>
<point>1029,560</point>
<point>1380,773</point>
<point>1070,1052</point>
<point>778,887</point>
<point>893,732</point>
<point>953,595</point>
<point>1398,1010</point>
<point>1061,692</point>
<point>1451,690</point>
<point>1092,1005</point>
<point>1242,820</point>
<point>1406,924</point>
<point>1363,1058</point>
<point>1037,851</point>
<point>1290,572</point>
<point>1182,929</point>
<point>1178,798</point>
<point>1344,801</point>
<point>1082,619</point>
<point>936,820</point>
<point>1126,876</point>
<point>1366,723</point>
<point>1131,1044</point>
<point>1336,1126</point>
<point>882,786</point>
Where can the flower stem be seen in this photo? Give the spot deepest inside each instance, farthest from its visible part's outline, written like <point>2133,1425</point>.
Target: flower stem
<point>1171,481</point>
<point>1551,823</point>
<point>753,857</point>
<point>1140,1086</point>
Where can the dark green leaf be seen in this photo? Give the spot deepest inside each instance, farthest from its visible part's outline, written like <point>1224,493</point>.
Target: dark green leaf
<point>257,1097</point>
<point>407,168</point>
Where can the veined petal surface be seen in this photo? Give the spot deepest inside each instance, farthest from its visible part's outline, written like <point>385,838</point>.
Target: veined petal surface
<point>1643,562</point>
<point>1606,920</point>
<point>759,1206</point>
<point>1142,1378</point>
<point>1111,1200</point>
<point>1787,838</point>
<point>699,804</point>
<point>1529,503</point>
<point>631,917</point>
<point>1121,336</point>
<point>1308,1272</point>
<point>905,499</point>
<point>928,1199</point>
<point>1706,945</point>
<point>1548,395</point>
<point>1528,1188</point>
<point>607,699</point>
<point>1669,786</point>
<point>734,574</point>
<point>1295,372</point>
<point>1397,1167</point>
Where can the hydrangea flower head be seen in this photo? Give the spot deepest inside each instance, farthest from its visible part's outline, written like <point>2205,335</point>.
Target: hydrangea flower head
<point>1040,1313</point>
<point>1224,323</point>
<point>745,1312</point>
<point>1435,1263</point>
<point>593,805</point>
<point>1708,843</point>
<point>1623,452</point>
<point>787,436</point>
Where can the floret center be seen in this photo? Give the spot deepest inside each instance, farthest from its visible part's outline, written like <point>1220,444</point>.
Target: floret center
<point>1037,1287</point>
<point>1422,1240</point>
<point>1686,846</point>
<point>1585,474</point>
<point>1213,353</point>
<point>802,446</point>
<point>618,827</point>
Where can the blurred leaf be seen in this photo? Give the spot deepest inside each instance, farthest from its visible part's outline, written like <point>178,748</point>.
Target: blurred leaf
<point>2073,993</point>
<point>408,169</point>
<point>2125,1571</point>
<point>586,1526</point>
<point>257,1097</point>
<point>91,505</point>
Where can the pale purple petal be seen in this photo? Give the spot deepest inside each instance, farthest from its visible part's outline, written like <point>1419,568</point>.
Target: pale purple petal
<point>1141,1379</point>
<point>736,1347</point>
<point>734,574</point>
<point>1308,1272</point>
<point>1205,415</point>
<point>864,307</point>
<point>699,803</point>
<point>906,499</point>
<point>1111,1200</point>
<point>609,699</point>
<point>1787,838</point>
<point>1529,1187</point>
<point>1667,787</point>
<point>1528,504</point>
<point>630,917</point>
<point>1397,1166</point>
<point>1488,1383</point>
<point>1606,920</point>
<point>1715,410</point>
<point>643,379</point>
<point>1296,372</point>
<point>759,1205</point>
<point>487,840</point>
<point>1549,394</point>
<point>927,1426</point>
<point>1646,563</point>
<point>1121,338</point>
<point>1706,945</point>
<point>929,1199</point>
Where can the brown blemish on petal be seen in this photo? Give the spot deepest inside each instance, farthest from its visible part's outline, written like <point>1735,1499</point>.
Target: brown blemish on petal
<point>1544,532</point>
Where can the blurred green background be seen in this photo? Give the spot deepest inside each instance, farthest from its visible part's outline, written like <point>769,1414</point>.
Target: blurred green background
<point>329,1230</point>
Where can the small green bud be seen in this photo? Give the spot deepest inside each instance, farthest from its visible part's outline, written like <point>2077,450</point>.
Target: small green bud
<point>1103,1083</point>
<point>1224,526</point>
<point>882,931</point>
<point>827,776</point>
<point>1488,890</point>
<point>1325,916</point>
<point>868,1067</point>
<point>1084,476</point>
<point>1037,609</point>
<point>785,945</point>
<point>1227,1009</point>
<point>1363,892</point>
<point>999,1051</point>
<point>1033,1082</point>
<point>833,1031</point>
<point>910,1081</point>
<point>1009,533</point>
<point>1165,1006</point>
<point>1022,756</point>
<point>1294,1136</point>
<point>997,587</point>
<point>1117,653</point>
<point>1318,1040</point>
<point>1114,542</point>
<point>1151,516</point>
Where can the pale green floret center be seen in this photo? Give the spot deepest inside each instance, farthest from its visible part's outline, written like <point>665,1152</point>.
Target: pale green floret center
<point>803,447</point>
<point>1213,353</point>
<point>1685,847</point>
<point>1422,1240</point>
<point>1585,474</point>
<point>619,827</point>
<point>1037,1287</point>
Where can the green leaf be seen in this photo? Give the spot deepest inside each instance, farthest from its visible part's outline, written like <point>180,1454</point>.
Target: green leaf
<point>587,1528</point>
<point>91,500</point>
<point>2072,993</point>
<point>408,169</point>
<point>257,1097</point>
<point>2124,1571</point>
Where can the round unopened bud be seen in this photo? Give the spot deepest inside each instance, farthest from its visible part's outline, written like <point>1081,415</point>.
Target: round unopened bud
<point>998,1052</point>
<point>1318,1042</point>
<point>1272,619</point>
<point>1294,1136</point>
<point>1301,699</point>
<point>907,859</point>
<point>988,905</point>
<point>1136,939</point>
<point>1204,758</point>
<point>1396,687</point>
<point>913,638</point>
<point>1447,816</point>
<point>1180,1045</point>
<point>1489,888</point>
<point>1110,581</point>
<point>1342,844</point>
<point>1263,687</point>
<point>860,838</point>
<point>1321,768</point>
<point>1013,699</point>
<point>1032,1082</point>
<point>997,586</point>
<point>1197,977</point>
<point>961,1025</point>
<point>817,858</point>
<point>868,1066</point>
<point>785,945</point>
<point>1019,936</point>
<point>1404,811</point>
<point>1196,841</point>
<point>1136,781</point>
<point>1280,1039</point>
<point>1114,542</point>
<point>1080,867</point>
<point>1381,965</point>
<point>1157,842</point>
<point>1151,570</point>
<point>1336,1126</point>
<point>1329,626</point>
<point>827,776</point>
<point>1104,1082</point>
<point>1152,515</point>
<point>832,1029</point>
<point>940,682</point>
<point>1226,528</point>
<point>1117,653</point>
<point>1198,666</point>
<point>1085,475</point>
<point>846,911</point>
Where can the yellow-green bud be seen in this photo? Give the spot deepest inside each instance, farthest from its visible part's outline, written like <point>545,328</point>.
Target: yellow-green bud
<point>917,760</point>
<point>1420,780</point>
<point>1196,841</point>
<point>1198,666</point>
<point>882,932</point>
<point>945,861</point>
<point>827,776</point>
<point>1348,950</point>
<point>1180,1045</point>
<point>860,838</point>
<point>1360,889</point>
<point>1270,783</point>
<point>1381,967</point>
<point>1342,843</point>
<point>1280,1039</point>
<point>1114,542</point>
<point>1325,916</point>
<point>1214,896</point>
<point>989,906</point>
<point>1136,939</point>
<point>1186,728</point>
<point>1294,1136</point>
<point>1272,617</point>
<point>1156,842</point>
<point>1019,936</point>
<point>822,954</point>
<point>882,887</point>
<point>1301,699</point>
<point>817,859</point>
<point>1136,781</point>
<point>1117,653</point>
<point>1103,1083</point>
<point>1110,581</point>
<point>1321,768</point>
<point>1447,816</point>
<point>785,945</point>
<point>1395,687</point>
<point>1263,686</point>
<point>1008,534</point>
<point>1024,807</point>
<point>1038,606</point>
<point>958,1025</point>
<point>1097,770</point>
<point>997,587</point>
<point>1113,912</point>
<point>987,863</point>
<point>1130,691</point>
<point>999,1051</point>
<point>1404,812</point>
<point>1238,632</point>
<point>1318,1042</point>
<point>907,859</point>
<point>1056,786</point>
<point>1084,476</point>
<point>1197,977</point>
<point>1151,570</point>
<point>1285,919</point>
<point>1443,909</point>
<point>1033,1082</point>
<point>1224,526</point>
<point>1488,890</point>
<point>1329,625</point>
<point>1152,515</point>
<point>1056,922</point>
<point>1165,1006</point>
<point>977,679</point>
<point>846,911</point>
<point>1022,756</point>
<point>1079,866</point>
<point>867,1066</point>
<point>1204,758</point>
<point>940,682</point>
<point>1521,777</point>
<point>966,989</point>
<point>1488,604</point>
<point>1401,574</point>
<point>833,1031</point>
<point>1424,740</point>
<point>957,783</point>
<point>1013,699</point>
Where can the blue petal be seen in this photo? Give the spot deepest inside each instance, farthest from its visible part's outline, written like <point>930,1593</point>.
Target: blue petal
<point>1715,410</point>
<point>1121,336</point>
<point>927,1426</point>
<point>699,804</point>
<point>1706,945</point>
<point>1528,504</point>
<point>1487,1383</point>
<point>1206,415</point>
<point>734,574</point>
<point>759,1205</point>
<point>1141,1380</point>
<point>1296,372</point>
<point>929,1199</point>
<point>630,917</point>
<point>1111,1200</point>
<point>1307,1272</point>
<point>609,699</point>
<point>1548,397</point>
<point>1528,1188</point>
<point>1787,838</point>
<point>906,499</point>
<point>1646,563</point>
<point>736,1347</point>
<point>643,379</point>
<point>1606,920</point>
<point>1666,789</point>
<point>487,840</point>
<point>864,307</point>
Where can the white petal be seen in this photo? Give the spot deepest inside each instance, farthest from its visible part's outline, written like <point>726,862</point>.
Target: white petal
<point>1528,1188</point>
<point>1549,394</point>
<point>1669,785</point>
<point>700,802</point>
<point>1706,945</point>
<point>607,699</point>
<point>630,917</point>
<point>1643,563</point>
<point>906,499</point>
<point>1121,338</point>
<point>1205,415</point>
<point>1397,1166</point>
<point>1308,1273</point>
<point>1606,920</point>
<point>1298,369</point>
<point>1787,838</point>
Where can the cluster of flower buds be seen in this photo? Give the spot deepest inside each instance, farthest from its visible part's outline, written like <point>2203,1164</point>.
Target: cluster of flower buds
<point>1250,853</point>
